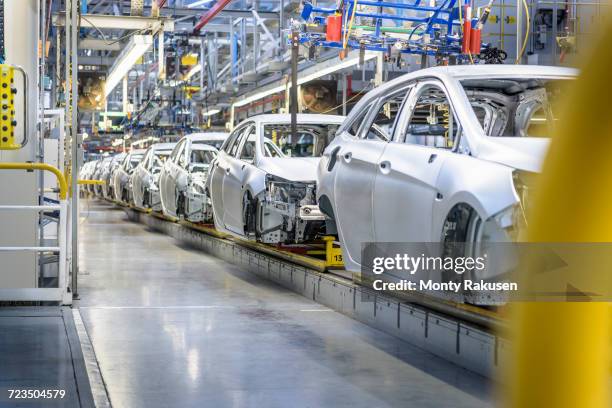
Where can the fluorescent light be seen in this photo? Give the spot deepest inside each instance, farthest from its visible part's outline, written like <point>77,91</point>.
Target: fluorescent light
<point>336,67</point>
<point>211,112</point>
<point>199,3</point>
<point>135,48</point>
<point>144,141</point>
<point>317,74</point>
<point>194,70</point>
<point>260,95</point>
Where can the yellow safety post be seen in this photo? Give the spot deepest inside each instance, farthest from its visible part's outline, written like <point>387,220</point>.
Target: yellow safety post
<point>562,356</point>
<point>61,181</point>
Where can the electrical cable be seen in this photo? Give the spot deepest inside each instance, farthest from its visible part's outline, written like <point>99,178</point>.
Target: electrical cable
<point>520,56</point>
<point>350,25</point>
<point>348,100</point>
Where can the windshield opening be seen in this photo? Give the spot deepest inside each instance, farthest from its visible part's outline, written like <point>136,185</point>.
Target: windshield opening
<point>526,107</point>
<point>214,143</point>
<point>310,141</point>
<point>134,160</point>
<point>202,158</point>
<point>159,158</point>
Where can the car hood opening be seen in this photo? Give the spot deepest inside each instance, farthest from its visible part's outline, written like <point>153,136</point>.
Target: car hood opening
<point>291,168</point>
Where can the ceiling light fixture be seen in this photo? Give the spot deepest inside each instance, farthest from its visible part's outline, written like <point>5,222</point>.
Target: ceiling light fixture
<point>211,112</point>
<point>135,48</point>
<point>349,62</point>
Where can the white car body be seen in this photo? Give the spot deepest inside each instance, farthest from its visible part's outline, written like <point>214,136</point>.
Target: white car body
<point>182,178</point>
<point>107,175</point>
<point>249,163</point>
<point>121,176</point>
<point>411,188</point>
<point>86,173</point>
<point>99,174</point>
<point>93,174</point>
<point>145,178</point>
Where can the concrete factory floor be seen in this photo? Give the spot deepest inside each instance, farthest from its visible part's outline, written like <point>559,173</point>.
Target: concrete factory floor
<point>175,327</point>
<point>40,350</point>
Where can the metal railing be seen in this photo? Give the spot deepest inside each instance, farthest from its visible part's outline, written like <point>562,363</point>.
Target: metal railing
<point>61,293</point>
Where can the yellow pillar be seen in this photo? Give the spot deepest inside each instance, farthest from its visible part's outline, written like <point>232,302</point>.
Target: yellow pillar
<point>562,354</point>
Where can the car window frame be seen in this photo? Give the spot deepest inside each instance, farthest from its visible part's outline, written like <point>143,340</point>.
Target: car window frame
<point>357,136</point>
<point>234,139</point>
<point>186,155</point>
<point>378,103</point>
<point>243,138</point>
<point>145,160</point>
<point>406,114</point>
<point>175,153</point>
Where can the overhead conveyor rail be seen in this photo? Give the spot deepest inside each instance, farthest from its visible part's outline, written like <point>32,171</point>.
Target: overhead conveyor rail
<point>456,333</point>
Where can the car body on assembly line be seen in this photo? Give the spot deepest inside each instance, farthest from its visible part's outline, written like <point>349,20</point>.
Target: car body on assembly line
<point>121,176</point>
<point>444,154</point>
<point>86,173</point>
<point>145,178</point>
<point>263,183</point>
<point>107,175</point>
<point>98,174</point>
<point>181,182</point>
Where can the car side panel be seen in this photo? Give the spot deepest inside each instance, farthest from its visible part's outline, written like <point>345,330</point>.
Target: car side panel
<point>486,186</point>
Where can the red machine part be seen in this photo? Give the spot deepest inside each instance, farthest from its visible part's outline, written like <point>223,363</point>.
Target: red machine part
<point>334,28</point>
<point>467,30</point>
<point>212,12</point>
<point>475,41</point>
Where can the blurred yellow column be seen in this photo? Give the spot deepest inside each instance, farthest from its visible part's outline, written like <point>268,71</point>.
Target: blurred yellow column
<point>562,356</point>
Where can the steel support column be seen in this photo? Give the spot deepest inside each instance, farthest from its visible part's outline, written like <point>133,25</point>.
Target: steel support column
<point>76,146</point>
<point>295,48</point>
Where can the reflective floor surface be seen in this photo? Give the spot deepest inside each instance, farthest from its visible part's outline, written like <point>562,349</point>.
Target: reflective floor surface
<point>174,327</point>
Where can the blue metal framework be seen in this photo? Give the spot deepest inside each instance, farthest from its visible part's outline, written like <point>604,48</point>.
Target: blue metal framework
<point>437,29</point>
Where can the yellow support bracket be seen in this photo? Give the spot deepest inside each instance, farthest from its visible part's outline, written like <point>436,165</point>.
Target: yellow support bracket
<point>333,253</point>
<point>91,182</point>
<point>61,181</point>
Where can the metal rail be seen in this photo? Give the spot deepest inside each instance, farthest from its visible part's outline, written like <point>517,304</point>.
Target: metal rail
<point>63,186</point>
<point>61,293</point>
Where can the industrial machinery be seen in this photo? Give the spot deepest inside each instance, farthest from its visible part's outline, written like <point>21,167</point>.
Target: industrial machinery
<point>443,29</point>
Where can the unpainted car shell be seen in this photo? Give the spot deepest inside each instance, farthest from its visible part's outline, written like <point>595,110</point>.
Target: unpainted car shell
<point>121,176</point>
<point>144,182</point>
<point>174,178</point>
<point>107,175</point>
<point>227,198</point>
<point>480,176</point>
<point>99,174</point>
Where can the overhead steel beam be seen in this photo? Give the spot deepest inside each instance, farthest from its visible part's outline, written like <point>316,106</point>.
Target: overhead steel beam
<point>210,14</point>
<point>183,12</point>
<point>105,21</point>
<point>107,61</point>
<point>211,28</point>
<point>98,45</point>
